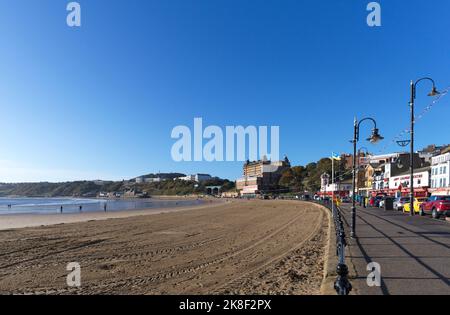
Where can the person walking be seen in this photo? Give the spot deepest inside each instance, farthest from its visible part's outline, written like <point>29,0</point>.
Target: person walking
<point>104,207</point>
<point>81,208</point>
<point>61,209</point>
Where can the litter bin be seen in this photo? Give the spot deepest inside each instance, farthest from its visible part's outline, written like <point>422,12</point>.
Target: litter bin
<point>389,204</point>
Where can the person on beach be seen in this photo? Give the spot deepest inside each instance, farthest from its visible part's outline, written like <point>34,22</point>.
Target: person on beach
<point>81,208</point>
<point>104,207</point>
<point>61,209</point>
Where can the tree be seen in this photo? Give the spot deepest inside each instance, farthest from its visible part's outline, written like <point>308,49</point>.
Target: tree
<point>287,178</point>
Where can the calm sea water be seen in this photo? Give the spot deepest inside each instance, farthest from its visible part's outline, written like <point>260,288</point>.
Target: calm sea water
<point>72,205</point>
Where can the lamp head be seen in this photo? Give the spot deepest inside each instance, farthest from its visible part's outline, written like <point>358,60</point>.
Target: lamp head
<point>375,137</point>
<point>434,92</point>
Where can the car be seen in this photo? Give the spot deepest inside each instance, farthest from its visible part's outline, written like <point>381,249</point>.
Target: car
<point>377,201</point>
<point>417,204</point>
<point>400,202</point>
<point>346,200</point>
<point>437,206</point>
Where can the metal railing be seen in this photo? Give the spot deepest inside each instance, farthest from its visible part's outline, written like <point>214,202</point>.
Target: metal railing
<point>342,285</point>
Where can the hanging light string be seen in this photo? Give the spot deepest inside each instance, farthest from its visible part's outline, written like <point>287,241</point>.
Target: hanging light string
<point>400,136</point>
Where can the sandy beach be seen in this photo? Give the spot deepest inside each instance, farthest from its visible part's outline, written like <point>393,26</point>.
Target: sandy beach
<point>235,247</point>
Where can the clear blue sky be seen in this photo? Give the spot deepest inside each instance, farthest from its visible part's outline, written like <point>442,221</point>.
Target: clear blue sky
<point>101,101</point>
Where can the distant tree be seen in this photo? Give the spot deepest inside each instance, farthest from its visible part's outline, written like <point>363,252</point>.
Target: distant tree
<point>287,178</point>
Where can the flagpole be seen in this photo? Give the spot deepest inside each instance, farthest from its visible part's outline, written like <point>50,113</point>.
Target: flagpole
<point>332,182</point>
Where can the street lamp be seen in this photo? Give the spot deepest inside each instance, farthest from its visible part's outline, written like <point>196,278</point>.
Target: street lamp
<point>434,92</point>
<point>374,138</point>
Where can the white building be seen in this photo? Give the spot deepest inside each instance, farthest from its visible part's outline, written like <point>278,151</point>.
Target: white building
<point>140,180</point>
<point>327,188</point>
<point>196,178</point>
<point>440,173</point>
<point>400,185</point>
<point>153,180</point>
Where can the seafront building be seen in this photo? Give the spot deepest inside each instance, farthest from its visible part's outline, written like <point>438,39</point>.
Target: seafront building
<point>400,185</point>
<point>339,188</point>
<point>261,176</point>
<point>389,174</point>
<point>380,172</point>
<point>440,174</point>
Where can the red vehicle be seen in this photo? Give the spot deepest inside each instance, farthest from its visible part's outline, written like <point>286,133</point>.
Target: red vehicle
<point>437,206</point>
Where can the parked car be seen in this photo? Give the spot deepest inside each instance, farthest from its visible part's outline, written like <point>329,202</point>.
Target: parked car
<point>346,200</point>
<point>400,202</point>
<point>417,203</point>
<point>437,206</point>
<point>306,197</point>
<point>377,201</point>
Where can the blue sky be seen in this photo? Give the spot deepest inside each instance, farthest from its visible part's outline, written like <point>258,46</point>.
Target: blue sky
<point>101,101</point>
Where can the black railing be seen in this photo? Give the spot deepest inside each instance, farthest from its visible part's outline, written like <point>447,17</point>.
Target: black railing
<point>342,285</point>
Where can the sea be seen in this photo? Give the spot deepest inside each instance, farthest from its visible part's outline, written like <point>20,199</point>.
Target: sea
<point>26,205</point>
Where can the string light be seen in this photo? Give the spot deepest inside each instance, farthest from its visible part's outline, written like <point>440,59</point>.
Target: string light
<point>417,119</point>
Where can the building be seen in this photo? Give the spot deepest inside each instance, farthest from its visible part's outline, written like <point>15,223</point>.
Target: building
<point>440,174</point>
<point>384,167</point>
<point>347,161</point>
<point>153,179</point>
<point>140,180</point>
<point>341,189</point>
<point>196,178</point>
<point>365,180</point>
<point>400,185</point>
<point>261,176</point>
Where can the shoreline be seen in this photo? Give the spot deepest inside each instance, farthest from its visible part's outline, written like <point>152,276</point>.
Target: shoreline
<point>19,221</point>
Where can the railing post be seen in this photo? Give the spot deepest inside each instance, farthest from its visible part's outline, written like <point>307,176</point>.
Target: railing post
<point>342,284</point>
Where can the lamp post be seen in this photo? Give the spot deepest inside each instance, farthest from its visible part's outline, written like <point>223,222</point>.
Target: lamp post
<point>374,138</point>
<point>434,92</point>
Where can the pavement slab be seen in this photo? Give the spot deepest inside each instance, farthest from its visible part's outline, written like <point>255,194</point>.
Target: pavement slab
<point>413,252</point>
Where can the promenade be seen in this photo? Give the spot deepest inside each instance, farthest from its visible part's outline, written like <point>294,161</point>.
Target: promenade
<point>414,252</point>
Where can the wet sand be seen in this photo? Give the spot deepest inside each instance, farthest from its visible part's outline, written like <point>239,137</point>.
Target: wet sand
<point>238,247</point>
<point>14,221</point>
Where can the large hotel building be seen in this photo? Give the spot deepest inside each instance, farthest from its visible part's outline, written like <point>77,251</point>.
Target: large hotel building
<point>261,176</point>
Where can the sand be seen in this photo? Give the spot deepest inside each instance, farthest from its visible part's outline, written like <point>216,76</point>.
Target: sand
<point>239,247</point>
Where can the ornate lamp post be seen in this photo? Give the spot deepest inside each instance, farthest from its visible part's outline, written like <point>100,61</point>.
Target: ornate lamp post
<point>434,92</point>
<point>374,138</point>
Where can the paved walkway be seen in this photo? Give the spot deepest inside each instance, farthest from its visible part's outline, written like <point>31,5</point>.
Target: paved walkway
<point>414,252</point>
